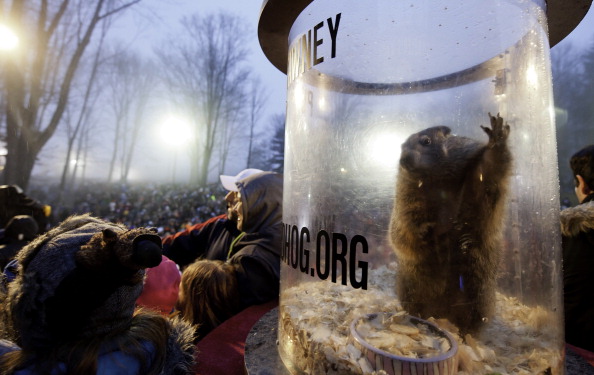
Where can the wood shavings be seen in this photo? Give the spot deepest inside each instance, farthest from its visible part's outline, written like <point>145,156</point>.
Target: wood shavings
<point>405,338</point>
<point>314,331</point>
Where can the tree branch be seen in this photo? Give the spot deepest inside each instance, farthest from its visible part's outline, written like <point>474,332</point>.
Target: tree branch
<point>57,17</point>
<point>113,11</point>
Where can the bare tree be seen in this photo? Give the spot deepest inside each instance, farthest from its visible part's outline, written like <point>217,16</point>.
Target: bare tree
<point>257,100</point>
<point>277,144</point>
<point>130,81</point>
<point>82,151</point>
<point>204,67</point>
<point>567,90</point>
<point>77,124</point>
<point>587,80</point>
<point>143,82</point>
<point>129,84</point>
<point>37,80</point>
<point>121,92</point>
<point>231,132</point>
<point>566,68</point>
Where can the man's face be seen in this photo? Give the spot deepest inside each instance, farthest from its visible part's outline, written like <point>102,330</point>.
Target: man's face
<point>234,212</point>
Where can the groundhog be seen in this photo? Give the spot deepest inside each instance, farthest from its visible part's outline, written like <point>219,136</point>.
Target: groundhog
<point>446,223</point>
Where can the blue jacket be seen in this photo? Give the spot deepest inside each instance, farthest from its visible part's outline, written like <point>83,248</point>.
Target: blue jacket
<point>111,362</point>
<point>179,358</point>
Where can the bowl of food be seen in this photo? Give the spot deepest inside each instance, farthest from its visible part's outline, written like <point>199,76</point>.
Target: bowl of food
<point>399,343</point>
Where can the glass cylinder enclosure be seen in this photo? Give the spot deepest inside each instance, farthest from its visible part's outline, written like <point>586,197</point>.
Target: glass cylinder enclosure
<point>421,180</point>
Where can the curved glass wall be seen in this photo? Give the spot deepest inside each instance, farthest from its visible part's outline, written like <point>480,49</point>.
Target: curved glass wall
<point>421,177</point>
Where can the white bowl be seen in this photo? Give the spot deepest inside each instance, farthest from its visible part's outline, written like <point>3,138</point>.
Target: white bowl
<point>442,363</point>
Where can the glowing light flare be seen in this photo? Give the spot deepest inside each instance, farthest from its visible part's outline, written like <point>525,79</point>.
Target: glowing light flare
<point>553,114</point>
<point>322,104</point>
<point>532,76</point>
<point>8,39</point>
<point>175,131</point>
<point>298,96</point>
<point>135,175</point>
<point>384,149</point>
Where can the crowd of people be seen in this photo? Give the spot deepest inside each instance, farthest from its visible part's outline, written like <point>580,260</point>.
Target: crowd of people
<point>167,207</point>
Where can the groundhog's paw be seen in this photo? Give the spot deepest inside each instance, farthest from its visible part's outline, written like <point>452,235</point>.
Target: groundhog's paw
<point>498,132</point>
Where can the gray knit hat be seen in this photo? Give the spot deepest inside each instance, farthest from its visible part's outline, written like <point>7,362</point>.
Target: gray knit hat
<point>79,280</point>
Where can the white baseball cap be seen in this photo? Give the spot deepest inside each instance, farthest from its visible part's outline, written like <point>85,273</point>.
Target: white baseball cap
<point>229,181</point>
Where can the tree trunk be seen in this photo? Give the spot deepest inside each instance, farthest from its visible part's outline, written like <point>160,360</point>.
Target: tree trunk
<point>65,169</point>
<point>20,162</point>
<point>29,82</point>
<point>116,146</point>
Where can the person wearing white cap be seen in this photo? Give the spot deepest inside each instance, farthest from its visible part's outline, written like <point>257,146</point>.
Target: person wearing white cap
<point>247,239</point>
<point>211,291</point>
<point>229,181</point>
<point>233,197</point>
<point>212,238</point>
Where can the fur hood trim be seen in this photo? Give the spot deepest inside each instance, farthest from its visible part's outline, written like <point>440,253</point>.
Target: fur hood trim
<point>181,350</point>
<point>577,219</point>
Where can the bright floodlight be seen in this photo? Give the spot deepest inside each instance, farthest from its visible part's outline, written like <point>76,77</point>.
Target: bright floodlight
<point>175,131</point>
<point>384,149</point>
<point>8,39</point>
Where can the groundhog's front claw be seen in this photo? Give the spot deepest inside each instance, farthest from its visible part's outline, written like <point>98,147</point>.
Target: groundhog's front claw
<point>498,132</point>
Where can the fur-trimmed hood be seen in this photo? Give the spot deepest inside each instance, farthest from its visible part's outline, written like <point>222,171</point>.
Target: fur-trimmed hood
<point>73,300</point>
<point>577,219</point>
<point>80,279</point>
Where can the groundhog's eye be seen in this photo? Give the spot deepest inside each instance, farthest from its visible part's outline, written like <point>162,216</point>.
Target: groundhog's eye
<point>425,140</point>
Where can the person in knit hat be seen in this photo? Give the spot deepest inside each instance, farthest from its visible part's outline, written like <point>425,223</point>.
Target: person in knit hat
<point>71,308</point>
<point>211,239</point>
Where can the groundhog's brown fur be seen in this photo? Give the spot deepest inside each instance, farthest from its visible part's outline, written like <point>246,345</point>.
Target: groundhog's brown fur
<point>446,223</point>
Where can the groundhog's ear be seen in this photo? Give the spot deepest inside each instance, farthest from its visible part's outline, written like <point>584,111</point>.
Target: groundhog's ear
<point>445,130</point>
<point>109,235</point>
